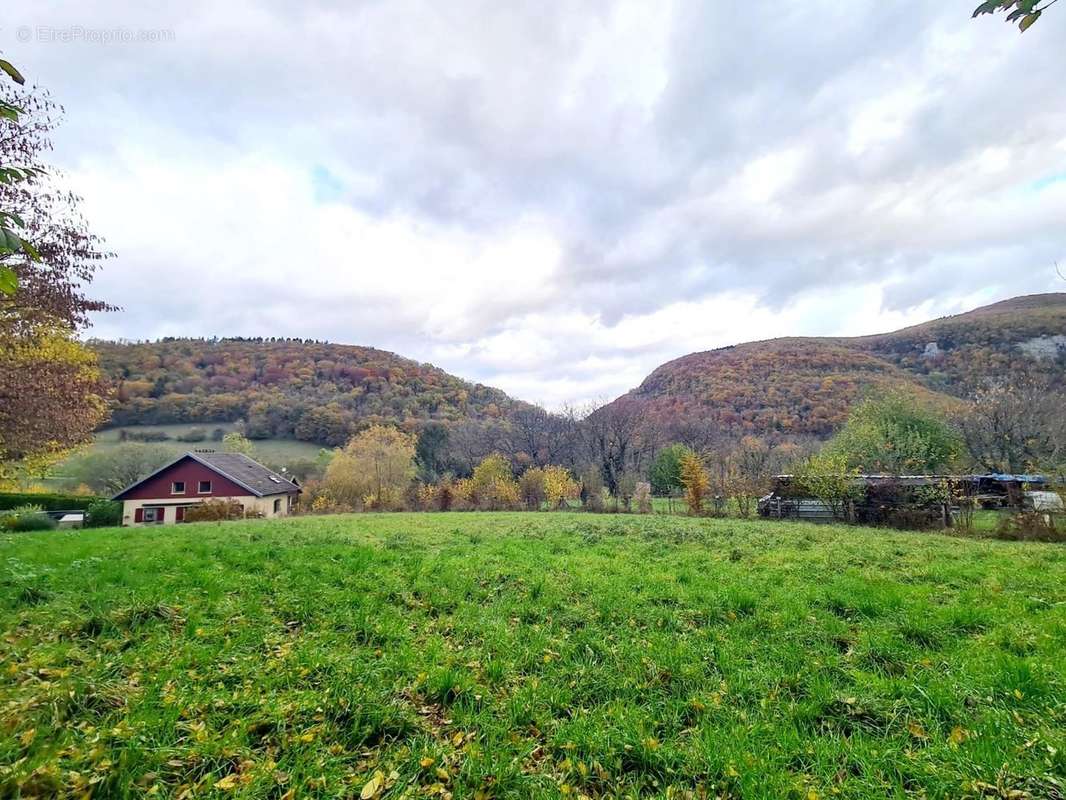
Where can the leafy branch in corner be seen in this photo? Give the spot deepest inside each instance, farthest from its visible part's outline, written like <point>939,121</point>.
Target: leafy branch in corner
<point>10,242</point>
<point>1024,12</point>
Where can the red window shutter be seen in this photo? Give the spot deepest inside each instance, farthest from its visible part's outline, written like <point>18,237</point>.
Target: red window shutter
<point>179,513</point>
<point>138,515</point>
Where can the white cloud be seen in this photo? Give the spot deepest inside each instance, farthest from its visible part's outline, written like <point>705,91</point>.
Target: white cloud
<point>556,199</point>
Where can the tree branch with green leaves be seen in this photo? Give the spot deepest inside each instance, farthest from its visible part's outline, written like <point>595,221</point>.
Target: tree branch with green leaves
<point>10,242</point>
<point>1024,12</point>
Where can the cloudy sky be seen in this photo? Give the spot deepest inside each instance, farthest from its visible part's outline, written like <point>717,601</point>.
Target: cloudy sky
<point>554,197</point>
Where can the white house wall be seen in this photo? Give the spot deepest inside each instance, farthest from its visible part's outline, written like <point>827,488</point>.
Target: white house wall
<point>263,505</point>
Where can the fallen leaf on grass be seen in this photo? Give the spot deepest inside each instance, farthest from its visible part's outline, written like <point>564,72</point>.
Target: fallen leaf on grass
<point>227,783</point>
<point>373,787</point>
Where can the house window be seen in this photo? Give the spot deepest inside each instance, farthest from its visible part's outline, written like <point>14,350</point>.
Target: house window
<point>277,506</point>
<point>205,487</point>
<point>153,515</point>
<point>177,487</point>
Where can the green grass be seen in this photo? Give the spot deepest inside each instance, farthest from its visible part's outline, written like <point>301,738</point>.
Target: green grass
<point>530,655</point>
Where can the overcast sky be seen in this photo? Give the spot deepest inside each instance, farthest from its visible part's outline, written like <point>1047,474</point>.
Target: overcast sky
<point>554,197</point>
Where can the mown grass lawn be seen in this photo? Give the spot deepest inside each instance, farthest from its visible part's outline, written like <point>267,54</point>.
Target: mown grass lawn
<point>530,655</point>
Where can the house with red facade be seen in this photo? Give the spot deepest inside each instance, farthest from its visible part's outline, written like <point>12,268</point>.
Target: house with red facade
<point>165,495</point>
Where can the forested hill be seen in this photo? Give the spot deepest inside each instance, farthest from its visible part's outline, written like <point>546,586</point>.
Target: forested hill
<point>807,385</point>
<point>285,388</point>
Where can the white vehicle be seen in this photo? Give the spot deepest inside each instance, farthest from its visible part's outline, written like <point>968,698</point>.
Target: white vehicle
<point>1044,501</point>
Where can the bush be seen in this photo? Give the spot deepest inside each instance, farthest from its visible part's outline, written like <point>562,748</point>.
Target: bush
<point>597,501</point>
<point>1035,526</point>
<point>103,513</point>
<point>437,497</point>
<point>192,435</point>
<point>590,490</point>
<point>27,518</point>
<point>47,502</point>
<point>531,488</point>
<point>146,436</point>
<point>560,487</point>
<point>305,469</point>
<point>493,487</point>
<point>696,481</point>
<point>218,509</point>
<point>642,497</point>
<point>317,499</point>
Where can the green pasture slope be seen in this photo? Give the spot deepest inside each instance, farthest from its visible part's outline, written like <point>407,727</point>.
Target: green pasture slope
<point>530,655</point>
<point>275,451</point>
<point>279,450</point>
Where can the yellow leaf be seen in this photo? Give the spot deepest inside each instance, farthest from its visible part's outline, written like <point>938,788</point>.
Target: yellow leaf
<point>426,762</point>
<point>812,794</point>
<point>957,736</point>
<point>372,788</point>
<point>457,739</point>
<point>27,737</point>
<point>1018,694</point>
<point>227,783</point>
<point>442,774</point>
<point>917,731</point>
<point>651,743</point>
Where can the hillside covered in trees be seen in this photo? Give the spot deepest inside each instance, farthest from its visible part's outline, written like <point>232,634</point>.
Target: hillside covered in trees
<point>286,388</point>
<point>798,387</point>
<point>807,385</point>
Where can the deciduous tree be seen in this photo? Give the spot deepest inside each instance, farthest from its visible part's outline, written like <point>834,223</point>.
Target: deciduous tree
<point>559,486</point>
<point>696,481</point>
<point>110,471</point>
<point>52,398</point>
<point>431,452</point>
<point>828,477</point>
<point>618,439</point>
<point>374,470</point>
<point>531,488</point>
<point>896,434</point>
<point>236,442</point>
<point>11,243</point>
<point>52,395</point>
<point>493,487</point>
<point>66,254</point>
<point>1017,426</point>
<point>665,472</point>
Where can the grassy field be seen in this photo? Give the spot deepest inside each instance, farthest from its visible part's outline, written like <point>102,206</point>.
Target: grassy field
<point>530,655</point>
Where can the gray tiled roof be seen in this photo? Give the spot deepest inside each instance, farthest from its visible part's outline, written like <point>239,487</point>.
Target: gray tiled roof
<point>248,472</point>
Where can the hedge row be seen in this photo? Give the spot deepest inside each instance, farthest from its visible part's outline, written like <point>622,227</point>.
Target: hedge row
<point>49,502</point>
